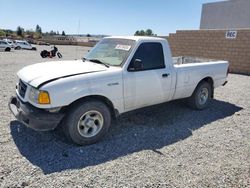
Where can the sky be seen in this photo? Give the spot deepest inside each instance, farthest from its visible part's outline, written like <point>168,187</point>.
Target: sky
<point>109,17</point>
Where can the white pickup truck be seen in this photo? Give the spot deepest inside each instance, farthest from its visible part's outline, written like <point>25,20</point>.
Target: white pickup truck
<point>118,75</point>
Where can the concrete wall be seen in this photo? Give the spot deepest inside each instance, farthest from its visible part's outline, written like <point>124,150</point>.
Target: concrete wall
<point>213,44</point>
<point>70,40</point>
<point>226,15</point>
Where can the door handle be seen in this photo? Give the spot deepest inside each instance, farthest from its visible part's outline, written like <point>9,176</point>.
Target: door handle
<point>165,75</point>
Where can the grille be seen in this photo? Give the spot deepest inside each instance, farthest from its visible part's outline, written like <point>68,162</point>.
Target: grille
<point>22,88</point>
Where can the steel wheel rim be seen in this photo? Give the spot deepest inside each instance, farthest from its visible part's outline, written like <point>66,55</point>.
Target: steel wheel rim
<point>90,123</point>
<point>203,96</point>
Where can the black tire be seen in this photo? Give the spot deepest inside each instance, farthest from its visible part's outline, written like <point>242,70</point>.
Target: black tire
<point>33,48</point>
<point>59,55</point>
<point>7,49</point>
<point>197,101</point>
<point>71,125</point>
<point>18,48</point>
<point>44,53</point>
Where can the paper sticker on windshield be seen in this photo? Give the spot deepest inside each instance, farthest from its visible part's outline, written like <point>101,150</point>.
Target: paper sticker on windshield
<point>122,47</point>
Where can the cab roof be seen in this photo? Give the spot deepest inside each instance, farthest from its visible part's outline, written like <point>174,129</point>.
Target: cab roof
<point>137,38</point>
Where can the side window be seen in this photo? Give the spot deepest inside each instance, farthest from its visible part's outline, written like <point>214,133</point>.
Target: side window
<point>151,55</point>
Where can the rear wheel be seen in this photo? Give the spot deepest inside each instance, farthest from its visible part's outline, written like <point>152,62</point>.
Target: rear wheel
<point>44,53</point>
<point>201,97</point>
<point>87,123</point>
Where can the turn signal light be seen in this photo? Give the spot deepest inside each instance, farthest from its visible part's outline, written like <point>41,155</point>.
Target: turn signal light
<point>43,98</point>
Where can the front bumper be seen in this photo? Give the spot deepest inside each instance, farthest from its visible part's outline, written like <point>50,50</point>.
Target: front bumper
<point>33,117</point>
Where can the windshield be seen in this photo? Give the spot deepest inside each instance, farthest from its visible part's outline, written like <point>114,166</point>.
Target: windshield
<point>111,51</point>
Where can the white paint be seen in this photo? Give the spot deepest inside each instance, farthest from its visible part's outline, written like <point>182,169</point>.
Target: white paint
<point>41,72</point>
<point>126,90</point>
<point>122,47</point>
<point>23,44</point>
<point>4,45</point>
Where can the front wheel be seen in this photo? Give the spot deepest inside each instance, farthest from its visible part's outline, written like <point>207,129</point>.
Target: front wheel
<point>59,55</point>
<point>201,97</point>
<point>18,48</point>
<point>86,123</point>
<point>7,49</point>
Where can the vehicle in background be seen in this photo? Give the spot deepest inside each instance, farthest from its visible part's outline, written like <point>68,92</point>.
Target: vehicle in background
<point>21,44</point>
<point>43,43</point>
<point>31,41</point>
<point>118,75</point>
<point>51,54</point>
<point>5,46</point>
<point>10,42</point>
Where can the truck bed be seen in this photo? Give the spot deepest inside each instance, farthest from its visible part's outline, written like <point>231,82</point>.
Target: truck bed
<point>190,70</point>
<point>188,59</point>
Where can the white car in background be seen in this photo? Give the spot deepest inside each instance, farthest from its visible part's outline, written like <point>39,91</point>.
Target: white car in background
<point>21,44</point>
<point>4,46</point>
<point>10,42</point>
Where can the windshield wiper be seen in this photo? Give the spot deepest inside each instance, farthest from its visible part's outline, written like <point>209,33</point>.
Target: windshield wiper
<point>98,62</point>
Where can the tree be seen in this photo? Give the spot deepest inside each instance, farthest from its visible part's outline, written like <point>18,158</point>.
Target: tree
<point>2,33</point>
<point>9,32</point>
<point>149,32</point>
<point>88,35</point>
<point>52,33</point>
<point>38,29</point>
<point>57,33</point>
<point>63,33</point>
<point>137,33</point>
<point>142,33</point>
<point>19,31</point>
<point>30,33</point>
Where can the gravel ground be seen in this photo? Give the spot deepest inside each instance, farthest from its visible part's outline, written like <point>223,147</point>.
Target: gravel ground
<point>167,145</point>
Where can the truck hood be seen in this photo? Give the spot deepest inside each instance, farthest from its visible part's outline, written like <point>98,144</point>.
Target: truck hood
<point>40,73</point>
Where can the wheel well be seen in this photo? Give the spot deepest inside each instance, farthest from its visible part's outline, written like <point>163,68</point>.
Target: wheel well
<point>210,81</point>
<point>114,112</point>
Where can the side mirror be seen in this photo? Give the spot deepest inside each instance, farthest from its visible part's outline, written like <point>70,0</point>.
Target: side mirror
<point>136,65</point>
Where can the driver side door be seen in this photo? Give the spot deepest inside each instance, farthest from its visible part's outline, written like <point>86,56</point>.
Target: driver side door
<point>150,84</point>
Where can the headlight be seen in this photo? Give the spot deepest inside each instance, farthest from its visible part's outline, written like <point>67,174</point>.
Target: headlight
<point>39,97</point>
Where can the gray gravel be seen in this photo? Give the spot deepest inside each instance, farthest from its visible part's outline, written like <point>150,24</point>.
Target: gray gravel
<point>168,145</point>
